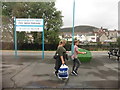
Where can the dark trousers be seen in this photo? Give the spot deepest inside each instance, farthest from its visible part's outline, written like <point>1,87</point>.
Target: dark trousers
<point>58,63</point>
<point>76,64</point>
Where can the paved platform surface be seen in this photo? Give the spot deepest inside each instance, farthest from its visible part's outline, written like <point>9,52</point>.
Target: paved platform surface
<point>29,71</point>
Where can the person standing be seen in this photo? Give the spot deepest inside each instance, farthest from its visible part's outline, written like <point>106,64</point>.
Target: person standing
<point>76,61</point>
<point>61,51</point>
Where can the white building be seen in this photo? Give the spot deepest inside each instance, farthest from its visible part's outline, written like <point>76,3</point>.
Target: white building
<point>83,37</point>
<point>92,38</point>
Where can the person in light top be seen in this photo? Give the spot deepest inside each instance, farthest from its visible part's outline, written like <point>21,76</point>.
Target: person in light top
<point>76,61</point>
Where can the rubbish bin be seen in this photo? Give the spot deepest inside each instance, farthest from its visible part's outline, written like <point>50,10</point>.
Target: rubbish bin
<point>85,57</point>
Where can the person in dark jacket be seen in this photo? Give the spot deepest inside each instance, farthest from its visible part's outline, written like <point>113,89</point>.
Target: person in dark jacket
<point>61,51</point>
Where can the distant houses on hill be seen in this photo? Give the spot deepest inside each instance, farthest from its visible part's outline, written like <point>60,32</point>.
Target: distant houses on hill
<point>90,34</point>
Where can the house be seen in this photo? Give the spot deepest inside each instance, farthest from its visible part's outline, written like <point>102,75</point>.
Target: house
<point>118,34</point>
<point>92,38</point>
<point>103,38</point>
<point>113,34</point>
<point>108,36</point>
<point>90,35</point>
<point>81,36</point>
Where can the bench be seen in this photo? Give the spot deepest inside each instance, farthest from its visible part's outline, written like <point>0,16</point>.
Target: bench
<point>114,52</point>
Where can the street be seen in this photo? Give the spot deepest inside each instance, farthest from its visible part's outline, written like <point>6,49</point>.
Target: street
<point>28,70</point>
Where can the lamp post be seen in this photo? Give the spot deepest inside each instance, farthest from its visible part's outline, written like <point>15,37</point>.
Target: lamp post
<point>72,47</point>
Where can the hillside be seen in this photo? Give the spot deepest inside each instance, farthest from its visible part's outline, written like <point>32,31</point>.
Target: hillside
<point>82,28</point>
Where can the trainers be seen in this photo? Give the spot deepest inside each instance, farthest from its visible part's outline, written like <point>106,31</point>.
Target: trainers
<point>72,73</point>
<point>75,73</point>
<point>56,74</point>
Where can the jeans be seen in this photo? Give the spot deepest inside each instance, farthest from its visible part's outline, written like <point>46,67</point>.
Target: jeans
<point>76,64</point>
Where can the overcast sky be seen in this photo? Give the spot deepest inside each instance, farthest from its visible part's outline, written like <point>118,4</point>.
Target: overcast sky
<point>99,13</point>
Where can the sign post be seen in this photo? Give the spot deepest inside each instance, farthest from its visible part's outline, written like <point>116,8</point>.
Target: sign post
<point>30,24</point>
<point>15,37</point>
<point>43,42</point>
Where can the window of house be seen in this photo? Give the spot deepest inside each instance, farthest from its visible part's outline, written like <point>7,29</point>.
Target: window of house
<point>92,38</point>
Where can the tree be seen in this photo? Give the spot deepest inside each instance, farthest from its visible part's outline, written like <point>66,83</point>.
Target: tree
<point>7,33</point>
<point>46,10</point>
